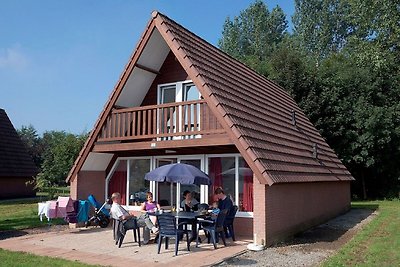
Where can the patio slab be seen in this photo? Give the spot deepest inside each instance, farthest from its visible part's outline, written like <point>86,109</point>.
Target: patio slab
<point>96,246</point>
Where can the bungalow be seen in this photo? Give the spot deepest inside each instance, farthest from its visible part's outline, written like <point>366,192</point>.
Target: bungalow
<point>180,99</point>
<point>16,165</point>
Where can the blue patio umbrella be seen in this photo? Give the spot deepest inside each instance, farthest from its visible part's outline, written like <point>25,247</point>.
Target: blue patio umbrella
<point>178,173</point>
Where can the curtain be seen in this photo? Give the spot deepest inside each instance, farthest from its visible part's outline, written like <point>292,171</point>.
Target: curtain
<point>248,190</point>
<point>118,184</point>
<point>215,172</point>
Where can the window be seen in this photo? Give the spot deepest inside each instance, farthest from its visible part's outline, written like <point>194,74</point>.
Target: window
<point>245,186</point>
<point>229,172</point>
<point>235,177</point>
<point>138,186</point>
<point>178,118</point>
<point>117,182</point>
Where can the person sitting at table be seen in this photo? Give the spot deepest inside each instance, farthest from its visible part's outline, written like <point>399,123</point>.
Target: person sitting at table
<point>119,213</point>
<point>224,202</point>
<point>189,203</point>
<point>215,210</point>
<point>150,206</point>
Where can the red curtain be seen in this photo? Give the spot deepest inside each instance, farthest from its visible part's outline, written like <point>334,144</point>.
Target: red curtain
<point>118,184</point>
<point>247,189</point>
<point>215,173</point>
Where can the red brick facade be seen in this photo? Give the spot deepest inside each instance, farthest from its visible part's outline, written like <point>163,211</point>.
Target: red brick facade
<point>292,208</point>
<point>16,187</point>
<point>89,182</point>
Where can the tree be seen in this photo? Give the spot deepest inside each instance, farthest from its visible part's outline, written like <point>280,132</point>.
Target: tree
<point>341,67</point>
<point>322,26</point>
<point>252,36</point>
<point>61,151</point>
<point>32,142</point>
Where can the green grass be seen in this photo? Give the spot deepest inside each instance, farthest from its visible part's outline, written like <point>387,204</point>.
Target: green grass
<point>378,243</point>
<point>22,259</point>
<point>21,214</point>
<point>57,191</point>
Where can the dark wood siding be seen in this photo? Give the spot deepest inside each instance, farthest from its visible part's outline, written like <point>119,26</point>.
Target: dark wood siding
<point>171,71</point>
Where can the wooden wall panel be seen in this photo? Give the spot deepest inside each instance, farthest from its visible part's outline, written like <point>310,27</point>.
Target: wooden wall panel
<point>171,71</point>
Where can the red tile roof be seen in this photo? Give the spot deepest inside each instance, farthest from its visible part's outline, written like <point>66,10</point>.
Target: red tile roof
<point>255,112</point>
<point>14,158</point>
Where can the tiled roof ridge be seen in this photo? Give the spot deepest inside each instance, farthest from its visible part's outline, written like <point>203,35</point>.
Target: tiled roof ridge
<point>250,71</point>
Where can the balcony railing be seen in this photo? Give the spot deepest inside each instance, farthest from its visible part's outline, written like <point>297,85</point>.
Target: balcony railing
<point>172,121</point>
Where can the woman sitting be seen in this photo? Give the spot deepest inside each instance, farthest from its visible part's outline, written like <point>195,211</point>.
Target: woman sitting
<point>150,206</point>
<point>189,203</point>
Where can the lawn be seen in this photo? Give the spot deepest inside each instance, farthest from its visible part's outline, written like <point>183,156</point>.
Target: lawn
<point>378,243</point>
<point>21,214</point>
<point>21,259</point>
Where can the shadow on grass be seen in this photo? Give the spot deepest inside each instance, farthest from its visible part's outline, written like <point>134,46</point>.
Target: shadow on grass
<point>361,205</point>
<point>12,233</point>
<point>334,229</point>
<point>27,222</point>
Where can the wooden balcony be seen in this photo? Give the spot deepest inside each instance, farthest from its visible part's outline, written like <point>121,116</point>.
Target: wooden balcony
<point>172,121</point>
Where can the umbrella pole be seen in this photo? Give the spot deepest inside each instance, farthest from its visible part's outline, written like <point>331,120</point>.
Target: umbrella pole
<point>172,194</point>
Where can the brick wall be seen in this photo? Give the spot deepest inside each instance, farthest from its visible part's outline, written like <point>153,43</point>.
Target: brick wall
<point>243,227</point>
<point>259,214</point>
<point>292,208</point>
<point>89,182</point>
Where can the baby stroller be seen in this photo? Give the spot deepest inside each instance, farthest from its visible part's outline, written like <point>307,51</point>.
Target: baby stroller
<point>101,215</point>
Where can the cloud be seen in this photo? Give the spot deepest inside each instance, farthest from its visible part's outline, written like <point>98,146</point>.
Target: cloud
<point>13,58</point>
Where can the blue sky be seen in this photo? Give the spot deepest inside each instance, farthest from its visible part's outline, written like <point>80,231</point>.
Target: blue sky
<point>60,60</point>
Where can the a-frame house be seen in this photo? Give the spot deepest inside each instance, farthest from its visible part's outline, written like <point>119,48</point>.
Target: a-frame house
<point>17,168</point>
<point>180,99</point>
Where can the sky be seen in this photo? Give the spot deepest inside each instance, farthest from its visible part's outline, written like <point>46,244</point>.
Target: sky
<point>60,60</point>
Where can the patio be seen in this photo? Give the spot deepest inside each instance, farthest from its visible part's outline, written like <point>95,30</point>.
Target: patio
<point>96,246</point>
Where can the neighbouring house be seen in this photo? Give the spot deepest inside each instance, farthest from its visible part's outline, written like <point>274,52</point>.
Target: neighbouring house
<point>16,165</point>
<point>180,99</point>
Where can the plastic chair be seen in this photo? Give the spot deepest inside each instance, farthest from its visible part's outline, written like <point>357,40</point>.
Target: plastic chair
<point>203,206</point>
<point>168,228</point>
<point>119,232</point>
<point>215,228</point>
<point>229,221</point>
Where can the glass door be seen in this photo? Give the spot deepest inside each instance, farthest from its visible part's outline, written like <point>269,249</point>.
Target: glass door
<point>166,123</point>
<point>191,112</point>
<point>182,118</point>
<point>194,189</point>
<point>166,192</point>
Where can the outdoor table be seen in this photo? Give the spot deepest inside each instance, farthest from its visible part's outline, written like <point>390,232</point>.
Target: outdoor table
<point>189,216</point>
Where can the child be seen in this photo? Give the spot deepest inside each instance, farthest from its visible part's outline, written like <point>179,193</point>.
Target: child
<point>215,209</point>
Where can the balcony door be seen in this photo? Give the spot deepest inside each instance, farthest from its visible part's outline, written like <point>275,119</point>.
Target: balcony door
<point>178,118</point>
